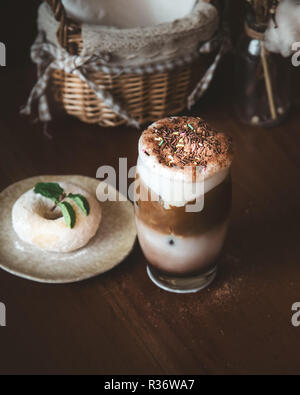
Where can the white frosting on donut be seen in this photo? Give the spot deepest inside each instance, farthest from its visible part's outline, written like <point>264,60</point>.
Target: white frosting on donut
<point>36,224</point>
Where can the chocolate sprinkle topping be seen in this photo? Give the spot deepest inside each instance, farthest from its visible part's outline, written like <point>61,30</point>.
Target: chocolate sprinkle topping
<point>188,141</point>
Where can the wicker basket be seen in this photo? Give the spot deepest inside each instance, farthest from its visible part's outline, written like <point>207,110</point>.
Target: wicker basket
<point>146,97</point>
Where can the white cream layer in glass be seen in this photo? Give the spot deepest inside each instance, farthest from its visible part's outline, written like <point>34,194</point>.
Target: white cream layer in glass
<point>173,185</point>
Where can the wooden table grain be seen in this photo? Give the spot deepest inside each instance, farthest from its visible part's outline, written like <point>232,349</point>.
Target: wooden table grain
<point>121,323</point>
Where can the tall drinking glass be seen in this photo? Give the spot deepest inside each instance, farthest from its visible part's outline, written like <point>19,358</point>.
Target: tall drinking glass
<point>182,201</point>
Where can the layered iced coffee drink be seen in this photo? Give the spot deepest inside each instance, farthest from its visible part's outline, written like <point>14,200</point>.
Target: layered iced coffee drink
<point>183,201</point>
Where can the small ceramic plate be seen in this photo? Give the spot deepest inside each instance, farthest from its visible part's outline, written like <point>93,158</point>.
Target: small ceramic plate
<point>110,246</point>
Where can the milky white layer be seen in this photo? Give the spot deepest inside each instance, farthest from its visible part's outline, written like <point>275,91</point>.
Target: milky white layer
<point>173,186</point>
<point>187,254</point>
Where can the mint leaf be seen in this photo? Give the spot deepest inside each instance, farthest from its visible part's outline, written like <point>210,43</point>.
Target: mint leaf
<point>49,190</point>
<point>68,213</point>
<point>81,202</point>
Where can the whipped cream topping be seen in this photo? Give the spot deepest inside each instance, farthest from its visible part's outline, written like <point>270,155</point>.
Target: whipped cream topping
<point>182,158</point>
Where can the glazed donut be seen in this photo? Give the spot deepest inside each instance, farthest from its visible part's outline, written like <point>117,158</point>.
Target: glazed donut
<point>36,223</point>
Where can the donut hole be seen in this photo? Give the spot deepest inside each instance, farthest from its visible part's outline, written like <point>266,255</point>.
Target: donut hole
<point>48,212</point>
<point>52,215</point>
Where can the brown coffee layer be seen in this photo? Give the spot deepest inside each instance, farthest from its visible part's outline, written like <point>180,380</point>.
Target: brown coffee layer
<point>176,220</point>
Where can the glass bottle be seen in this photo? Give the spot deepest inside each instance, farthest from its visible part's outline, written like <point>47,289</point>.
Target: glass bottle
<point>262,81</point>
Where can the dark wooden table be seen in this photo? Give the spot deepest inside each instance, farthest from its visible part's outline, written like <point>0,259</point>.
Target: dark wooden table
<point>120,323</point>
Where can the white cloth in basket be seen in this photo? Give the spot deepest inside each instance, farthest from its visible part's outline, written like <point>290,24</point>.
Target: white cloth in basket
<point>159,48</point>
<point>141,46</point>
<point>127,13</point>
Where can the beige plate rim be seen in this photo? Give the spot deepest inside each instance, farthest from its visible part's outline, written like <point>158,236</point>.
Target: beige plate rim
<point>41,279</point>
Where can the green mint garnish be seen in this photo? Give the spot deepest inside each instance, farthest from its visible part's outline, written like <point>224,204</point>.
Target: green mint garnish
<point>49,190</point>
<point>81,202</point>
<point>68,213</point>
<point>190,126</point>
<point>55,192</point>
